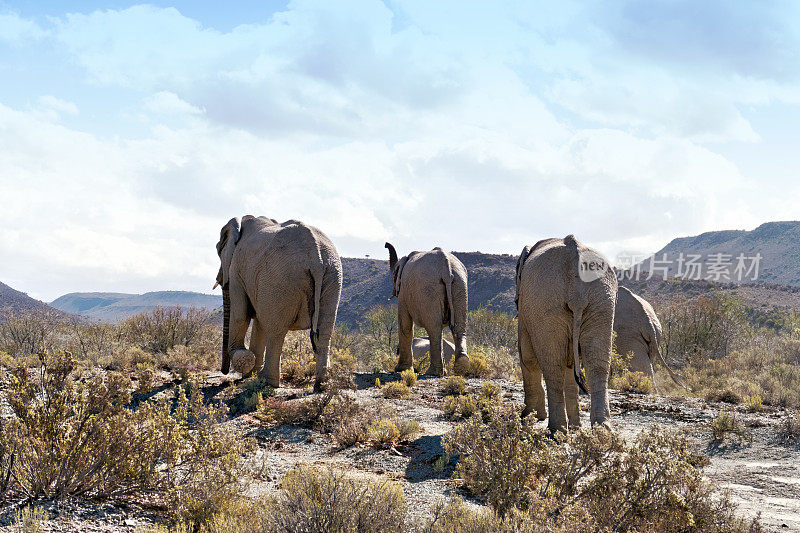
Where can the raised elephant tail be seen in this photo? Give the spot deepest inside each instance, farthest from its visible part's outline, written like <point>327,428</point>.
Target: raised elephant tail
<point>317,275</point>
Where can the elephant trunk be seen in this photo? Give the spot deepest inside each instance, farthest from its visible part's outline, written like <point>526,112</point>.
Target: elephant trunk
<point>392,257</point>
<point>226,329</point>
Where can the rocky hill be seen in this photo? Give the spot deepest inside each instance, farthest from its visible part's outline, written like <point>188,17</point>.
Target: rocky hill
<point>777,244</point>
<point>14,301</point>
<point>112,307</point>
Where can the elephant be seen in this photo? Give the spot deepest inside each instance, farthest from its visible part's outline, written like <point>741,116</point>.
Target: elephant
<point>422,345</point>
<point>638,331</point>
<point>431,291</point>
<point>565,296</point>
<point>282,276</point>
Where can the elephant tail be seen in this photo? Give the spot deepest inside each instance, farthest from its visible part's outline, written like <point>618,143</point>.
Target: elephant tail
<point>577,316</point>
<point>655,351</point>
<point>576,303</point>
<point>448,283</point>
<point>317,275</point>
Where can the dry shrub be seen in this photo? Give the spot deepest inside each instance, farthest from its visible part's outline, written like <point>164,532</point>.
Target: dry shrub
<point>409,377</point>
<point>163,328</point>
<point>314,499</point>
<point>790,429</point>
<point>79,438</point>
<point>253,392</point>
<point>30,519</point>
<point>395,389</point>
<point>145,374</point>
<point>724,396</point>
<point>389,432</point>
<point>725,425</point>
<point>647,485</point>
<point>454,386</point>
<point>343,358</point>
<point>629,381</point>
<point>29,332</point>
<point>478,366</point>
<point>492,328</point>
<point>337,413</point>
<point>754,403</point>
<point>465,405</point>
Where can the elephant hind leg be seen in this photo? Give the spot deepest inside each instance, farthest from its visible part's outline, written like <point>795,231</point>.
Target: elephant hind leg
<point>531,375</point>
<point>405,335</point>
<point>271,372</point>
<point>258,344</point>
<point>597,359</point>
<point>571,398</point>
<point>437,366</point>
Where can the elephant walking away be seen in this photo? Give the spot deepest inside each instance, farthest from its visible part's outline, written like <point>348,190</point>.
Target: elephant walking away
<point>281,276</point>
<point>638,332</point>
<point>431,290</point>
<point>566,293</point>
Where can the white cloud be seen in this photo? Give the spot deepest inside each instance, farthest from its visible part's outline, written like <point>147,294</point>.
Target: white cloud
<point>169,103</point>
<point>16,30</point>
<point>427,126</point>
<point>58,105</point>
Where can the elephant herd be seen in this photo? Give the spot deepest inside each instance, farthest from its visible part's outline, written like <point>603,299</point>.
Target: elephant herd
<point>288,276</point>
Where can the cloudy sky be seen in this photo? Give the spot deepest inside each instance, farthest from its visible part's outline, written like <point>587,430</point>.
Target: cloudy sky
<point>130,133</point>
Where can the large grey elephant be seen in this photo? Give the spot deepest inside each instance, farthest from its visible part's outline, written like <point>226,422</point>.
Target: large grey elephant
<point>638,333</point>
<point>431,290</point>
<point>282,276</point>
<point>566,294</point>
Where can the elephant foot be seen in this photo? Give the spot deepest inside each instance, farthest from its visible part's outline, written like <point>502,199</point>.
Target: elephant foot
<point>539,414</point>
<point>400,367</point>
<point>461,365</point>
<point>435,372</point>
<point>243,361</point>
<point>272,381</point>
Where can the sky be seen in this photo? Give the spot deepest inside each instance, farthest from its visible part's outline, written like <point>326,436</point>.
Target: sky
<point>131,133</point>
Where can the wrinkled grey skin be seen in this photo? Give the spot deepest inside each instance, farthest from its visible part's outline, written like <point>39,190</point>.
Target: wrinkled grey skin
<point>422,345</point>
<point>431,290</point>
<point>563,319</point>
<point>638,332</point>
<point>282,276</point>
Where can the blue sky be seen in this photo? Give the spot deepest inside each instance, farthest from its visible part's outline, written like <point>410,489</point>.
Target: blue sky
<point>129,133</point>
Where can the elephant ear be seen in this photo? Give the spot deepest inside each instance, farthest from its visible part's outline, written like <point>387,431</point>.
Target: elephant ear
<point>397,275</point>
<point>229,235</point>
<point>521,263</point>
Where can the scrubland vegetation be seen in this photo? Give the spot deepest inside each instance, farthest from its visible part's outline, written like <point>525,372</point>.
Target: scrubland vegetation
<point>117,413</point>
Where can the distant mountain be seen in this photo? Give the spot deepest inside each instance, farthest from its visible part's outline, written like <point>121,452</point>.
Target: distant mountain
<point>113,307</point>
<point>14,301</point>
<point>777,243</point>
